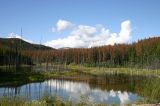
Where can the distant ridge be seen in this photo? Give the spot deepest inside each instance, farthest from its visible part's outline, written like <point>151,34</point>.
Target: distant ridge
<point>14,43</point>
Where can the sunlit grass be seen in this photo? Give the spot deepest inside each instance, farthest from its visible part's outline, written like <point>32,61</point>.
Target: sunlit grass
<point>45,101</point>
<point>104,70</point>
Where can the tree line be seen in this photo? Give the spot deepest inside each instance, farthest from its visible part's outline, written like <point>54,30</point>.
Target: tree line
<point>144,53</point>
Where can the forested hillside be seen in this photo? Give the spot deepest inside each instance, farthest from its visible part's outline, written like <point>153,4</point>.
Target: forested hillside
<point>11,51</point>
<point>13,43</point>
<point>144,53</point>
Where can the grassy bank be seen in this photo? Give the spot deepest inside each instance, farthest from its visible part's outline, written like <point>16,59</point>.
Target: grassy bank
<point>128,71</point>
<point>46,101</point>
<point>10,75</point>
<point>55,101</point>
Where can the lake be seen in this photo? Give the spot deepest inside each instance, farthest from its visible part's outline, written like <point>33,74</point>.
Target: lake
<point>110,88</point>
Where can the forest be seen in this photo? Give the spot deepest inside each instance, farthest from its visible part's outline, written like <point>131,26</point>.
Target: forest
<point>143,54</point>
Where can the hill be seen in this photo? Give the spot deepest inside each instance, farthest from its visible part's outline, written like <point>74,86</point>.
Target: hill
<point>13,43</point>
<point>11,51</point>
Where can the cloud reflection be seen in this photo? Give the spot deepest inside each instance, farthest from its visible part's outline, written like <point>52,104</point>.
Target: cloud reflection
<point>76,90</point>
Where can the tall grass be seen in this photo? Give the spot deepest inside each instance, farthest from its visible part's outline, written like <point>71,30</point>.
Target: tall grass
<point>151,91</point>
<point>45,101</point>
<point>104,70</point>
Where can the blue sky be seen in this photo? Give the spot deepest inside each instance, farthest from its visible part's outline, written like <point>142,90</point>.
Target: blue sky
<point>38,17</point>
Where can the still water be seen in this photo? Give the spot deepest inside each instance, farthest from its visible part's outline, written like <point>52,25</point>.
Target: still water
<point>73,91</point>
<point>112,88</point>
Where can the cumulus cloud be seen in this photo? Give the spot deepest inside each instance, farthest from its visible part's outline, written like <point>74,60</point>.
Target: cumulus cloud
<point>91,36</point>
<point>62,25</point>
<point>13,35</point>
<point>125,32</point>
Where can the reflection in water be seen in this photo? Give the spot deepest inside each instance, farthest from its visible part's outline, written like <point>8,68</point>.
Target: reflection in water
<point>71,91</point>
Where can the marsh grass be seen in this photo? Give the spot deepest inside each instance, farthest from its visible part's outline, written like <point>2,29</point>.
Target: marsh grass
<point>151,91</point>
<point>104,70</point>
<point>45,101</point>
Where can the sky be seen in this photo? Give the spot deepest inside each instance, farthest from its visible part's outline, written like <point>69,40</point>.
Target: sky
<point>79,23</point>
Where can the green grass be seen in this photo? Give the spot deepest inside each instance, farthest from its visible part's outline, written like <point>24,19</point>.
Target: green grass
<point>45,101</point>
<point>151,91</point>
<point>56,101</point>
<point>103,70</point>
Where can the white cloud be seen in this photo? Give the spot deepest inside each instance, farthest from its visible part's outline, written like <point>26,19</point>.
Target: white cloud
<point>90,36</point>
<point>13,35</point>
<point>125,32</point>
<point>62,25</point>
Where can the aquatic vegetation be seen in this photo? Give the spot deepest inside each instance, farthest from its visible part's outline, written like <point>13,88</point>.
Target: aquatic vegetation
<point>45,101</point>
<point>151,91</point>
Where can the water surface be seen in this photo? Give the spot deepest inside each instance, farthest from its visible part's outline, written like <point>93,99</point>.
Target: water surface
<point>73,91</point>
<point>110,88</point>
